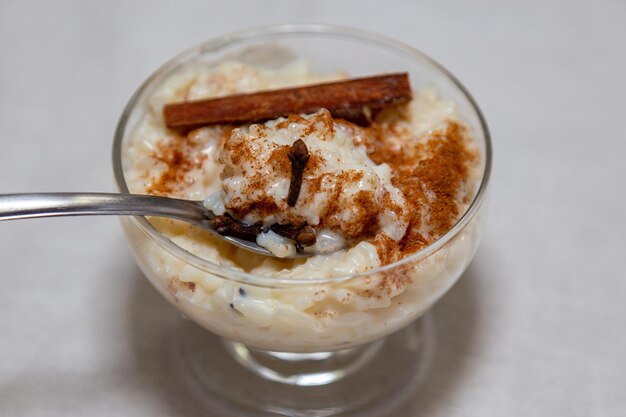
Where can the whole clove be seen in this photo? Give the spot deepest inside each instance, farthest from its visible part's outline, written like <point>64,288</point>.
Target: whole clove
<point>299,156</point>
<point>227,226</point>
<point>304,235</point>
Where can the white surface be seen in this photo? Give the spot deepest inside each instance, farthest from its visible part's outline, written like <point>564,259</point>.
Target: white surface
<point>535,327</point>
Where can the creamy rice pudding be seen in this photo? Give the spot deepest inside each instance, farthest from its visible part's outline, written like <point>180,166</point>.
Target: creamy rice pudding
<point>373,195</point>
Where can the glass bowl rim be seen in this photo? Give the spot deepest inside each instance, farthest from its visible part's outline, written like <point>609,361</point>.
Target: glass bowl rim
<point>276,31</point>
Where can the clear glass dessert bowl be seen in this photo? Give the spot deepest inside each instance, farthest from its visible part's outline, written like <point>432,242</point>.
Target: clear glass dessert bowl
<point>305,343</point>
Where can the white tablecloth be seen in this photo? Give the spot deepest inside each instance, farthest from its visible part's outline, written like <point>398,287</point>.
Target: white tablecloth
<point>537,325</point>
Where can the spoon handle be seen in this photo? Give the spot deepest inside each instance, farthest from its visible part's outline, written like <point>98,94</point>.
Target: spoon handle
<point>33,205</point>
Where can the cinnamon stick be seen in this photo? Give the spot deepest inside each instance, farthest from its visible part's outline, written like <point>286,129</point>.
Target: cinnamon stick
<point>344,99</point>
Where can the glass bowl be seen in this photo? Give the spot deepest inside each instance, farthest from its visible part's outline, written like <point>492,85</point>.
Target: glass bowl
<point>273,326</point>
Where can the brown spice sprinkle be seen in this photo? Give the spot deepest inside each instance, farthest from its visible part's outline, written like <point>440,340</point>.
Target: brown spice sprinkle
<point>279,160</point>
<point>365,217</point>
<point>431,182</point>
<point>292,118</point>
<point>180,155</point>
<point>329,217</point>
<point>262,207</point>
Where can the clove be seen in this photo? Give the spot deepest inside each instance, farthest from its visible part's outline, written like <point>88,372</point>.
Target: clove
<point>299,156</point>
<point>227,226</point>
<point>304,235</point>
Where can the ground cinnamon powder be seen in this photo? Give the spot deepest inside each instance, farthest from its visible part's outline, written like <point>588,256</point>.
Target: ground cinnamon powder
<point>178,155</point>
<point>430,173</point>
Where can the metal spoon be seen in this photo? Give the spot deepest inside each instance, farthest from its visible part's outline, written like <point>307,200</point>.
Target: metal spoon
<point>33,205</point>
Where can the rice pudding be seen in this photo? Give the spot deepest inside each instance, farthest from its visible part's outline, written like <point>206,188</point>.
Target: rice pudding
<point>374,195</point>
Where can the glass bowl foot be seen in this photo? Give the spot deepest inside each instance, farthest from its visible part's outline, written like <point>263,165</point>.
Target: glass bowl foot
<point>369,380</point>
